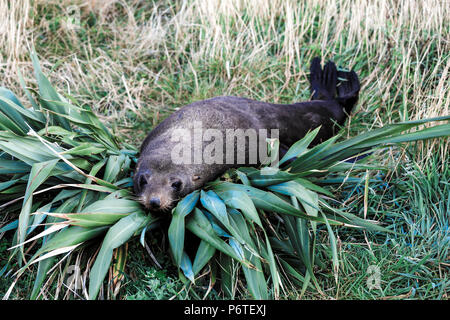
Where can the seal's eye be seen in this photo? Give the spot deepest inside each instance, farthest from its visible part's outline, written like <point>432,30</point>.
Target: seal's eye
<point>142,182</point>
<point>176,185</point>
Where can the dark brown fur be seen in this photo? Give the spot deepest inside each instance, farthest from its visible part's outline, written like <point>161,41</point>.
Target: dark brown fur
<point>157,179</point>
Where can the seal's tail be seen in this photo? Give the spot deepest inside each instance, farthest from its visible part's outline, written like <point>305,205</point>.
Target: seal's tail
<point>329,82</point>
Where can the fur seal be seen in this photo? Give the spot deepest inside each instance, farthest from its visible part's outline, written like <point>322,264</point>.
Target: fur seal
<point>159,182</point>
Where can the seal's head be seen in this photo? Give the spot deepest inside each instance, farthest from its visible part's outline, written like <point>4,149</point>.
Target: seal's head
<point>159,185</point>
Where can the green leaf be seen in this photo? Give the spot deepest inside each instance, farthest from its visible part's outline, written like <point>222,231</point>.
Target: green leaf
<point>9,125</point>
<point>94,170</point>
<point>311,186</point>
<point>177,225</point>
<point>392,133</point>
<point>308,199</point>
<point>13,166</point>
<point>423,134</point>
<point>85,149</point>
<point>176,236</point>
<point>101,213</point>
<point>187,204</point>
<point>27,149</point>
<point>29,96</point>
<point>308,160</point>
<point>117,235</point>
<point>116,206</point>
<point>300,146</point>
<point>201,227</point>
<point>254,276</point>
<point>70,236</point>
<point>239,200</point>
<point>269,256</point>
<point>88,220</point>
<point>243,229</point>
<point>113,168</point>
<point>268,201</point>
<point>243,177</point>
<point>38,174</point>
<point>43,267</point>
<point>228,274</point>
<point>258,179</point>
<point>48,92</point>
<point>204,253</point>
<point>12,108</point>
<point>333,246</point>
<point>353,220</point>
<point>186,266</point>
<point>211,202</point>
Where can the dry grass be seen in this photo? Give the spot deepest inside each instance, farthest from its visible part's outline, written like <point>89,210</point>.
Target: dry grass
<point>140,58</point>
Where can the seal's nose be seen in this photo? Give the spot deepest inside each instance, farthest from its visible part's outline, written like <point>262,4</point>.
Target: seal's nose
<point>154,203</point>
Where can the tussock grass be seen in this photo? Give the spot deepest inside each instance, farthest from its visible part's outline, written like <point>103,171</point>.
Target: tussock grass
<point>133,62</point>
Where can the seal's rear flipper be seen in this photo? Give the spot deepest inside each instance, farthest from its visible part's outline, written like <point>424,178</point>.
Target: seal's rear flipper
<point>347,89</point>
<point>323,82</point>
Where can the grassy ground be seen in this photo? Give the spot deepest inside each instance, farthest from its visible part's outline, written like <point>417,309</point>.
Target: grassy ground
<point>136,61</point>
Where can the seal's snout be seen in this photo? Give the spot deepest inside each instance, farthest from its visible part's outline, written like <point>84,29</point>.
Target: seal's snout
<point>154,203</point>
<point>156,188</point>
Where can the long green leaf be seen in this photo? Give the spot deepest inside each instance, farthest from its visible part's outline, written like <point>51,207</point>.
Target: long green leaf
<point>200,226</point>
<point>204,253</point>
<point>211,201</point>
<point>177,225</point>
<point>240,200</point>
<point>48,92</point>
<point>38,174</point>
<point>268,201</point>
<point>117,235</point>
<point>186,267</point>
<point>300,146</point>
